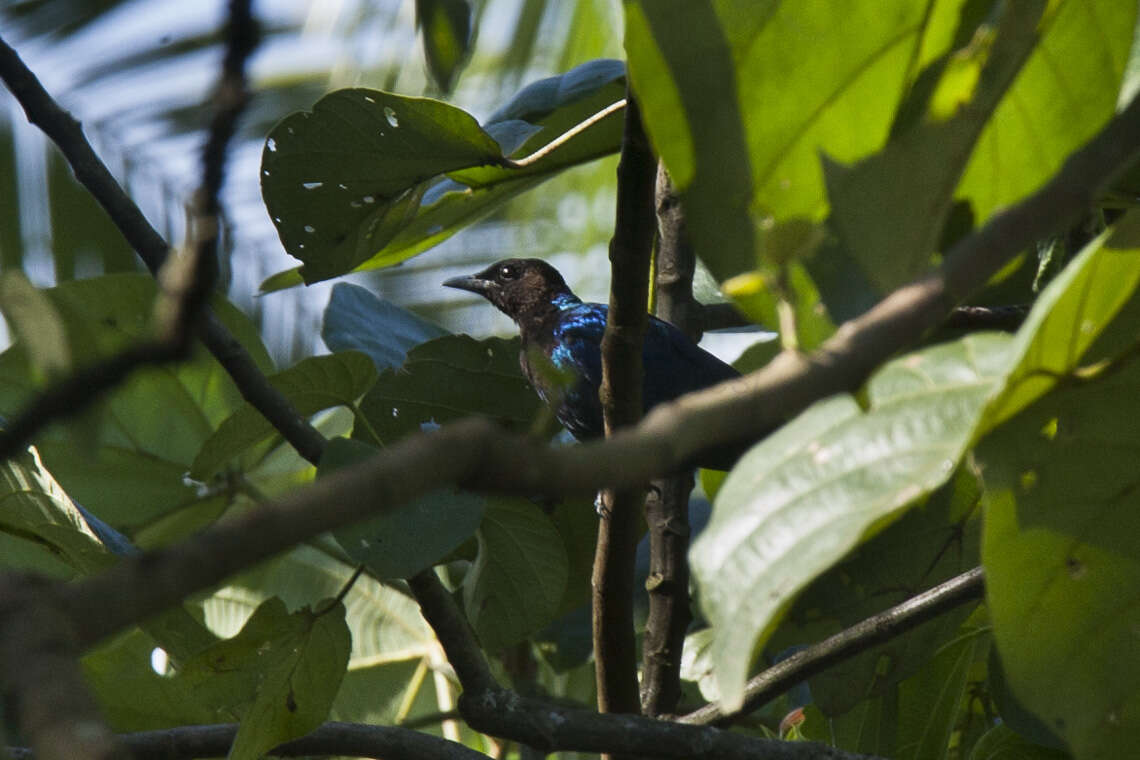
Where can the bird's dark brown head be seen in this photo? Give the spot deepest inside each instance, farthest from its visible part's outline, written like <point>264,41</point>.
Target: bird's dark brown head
<point>520,288</point>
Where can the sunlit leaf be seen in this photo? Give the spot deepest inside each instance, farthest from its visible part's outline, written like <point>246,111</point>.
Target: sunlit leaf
<point>808,494</point>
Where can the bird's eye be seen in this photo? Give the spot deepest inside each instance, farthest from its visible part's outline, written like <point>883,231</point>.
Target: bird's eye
<point>508,272</point>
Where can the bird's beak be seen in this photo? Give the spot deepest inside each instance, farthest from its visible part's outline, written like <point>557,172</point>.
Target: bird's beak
<point>472,283</point>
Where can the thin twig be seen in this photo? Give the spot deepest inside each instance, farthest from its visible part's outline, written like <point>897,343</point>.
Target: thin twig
<point>564,138</point>
<point>967,587</point>
<point>615,649</point>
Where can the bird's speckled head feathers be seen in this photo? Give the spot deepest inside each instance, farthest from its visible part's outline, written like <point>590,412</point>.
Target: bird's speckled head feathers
<point>520,288</point>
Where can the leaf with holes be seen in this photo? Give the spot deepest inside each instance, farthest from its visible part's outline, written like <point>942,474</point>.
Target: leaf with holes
<point>341,180</point>
<point>539,113</point>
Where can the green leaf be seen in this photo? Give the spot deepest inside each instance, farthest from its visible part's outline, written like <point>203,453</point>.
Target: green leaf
<point>341,180</point>
<point>35,509</point>
<point>1001,743</point>
<point>931,702</point>
<point>446,379</point>
<point>913,179</point>
<point>1062,558</point>
<point>32,317</point>
<point>297,688</point>
<point>280,673</point>
<point>713,82</point>
<point>536,115</point>
<point>312,384</point>
<point>403,541</point>
<point>446,28</point>
<point>518,580</point>
<point>126,459</point>
<point>924,547</point>
<point>808,494</point>
<point>1070,314</point>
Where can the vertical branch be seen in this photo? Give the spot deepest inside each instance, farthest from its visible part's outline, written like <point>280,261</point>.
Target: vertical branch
<point>667,508</point>
<point>615,649</point>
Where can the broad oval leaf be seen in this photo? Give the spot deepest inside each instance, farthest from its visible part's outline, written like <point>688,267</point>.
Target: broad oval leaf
<point>340,181</point>
<point>803,498</point>
<point>519,577</point>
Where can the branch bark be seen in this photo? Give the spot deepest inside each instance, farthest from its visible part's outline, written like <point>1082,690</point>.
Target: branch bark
<point>615,648</point>
<point>667,508</point>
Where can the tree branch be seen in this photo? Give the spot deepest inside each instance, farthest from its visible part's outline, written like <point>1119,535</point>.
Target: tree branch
<point>615,647</point>
<point>330,739</point>
<point>766,686</point>
<point>667,508</point>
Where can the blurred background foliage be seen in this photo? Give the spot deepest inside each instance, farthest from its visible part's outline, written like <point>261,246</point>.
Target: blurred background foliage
<point>137,73</point>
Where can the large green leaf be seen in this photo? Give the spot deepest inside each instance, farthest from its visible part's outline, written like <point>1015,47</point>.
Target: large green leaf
<point>519,577</point>
<point>1070,315</point>
<point>313,384</point>
<point>280,674</point>
<point>1062,558</point>
<point>888,210</point>
<point>445,379</point>
<point>536,115</point>
<point>714,80</point>
<point>807,495</point>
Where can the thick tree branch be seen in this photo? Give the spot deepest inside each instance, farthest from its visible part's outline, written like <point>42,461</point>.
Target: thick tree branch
<point>766,686</point>
<point>67,134</point>
<point>615,647</point>
<point>340,739</point>
<point>667,508</point>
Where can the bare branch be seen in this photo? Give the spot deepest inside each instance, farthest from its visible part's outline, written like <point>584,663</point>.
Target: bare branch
<point>667,508</point>
<point>615,648</point>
